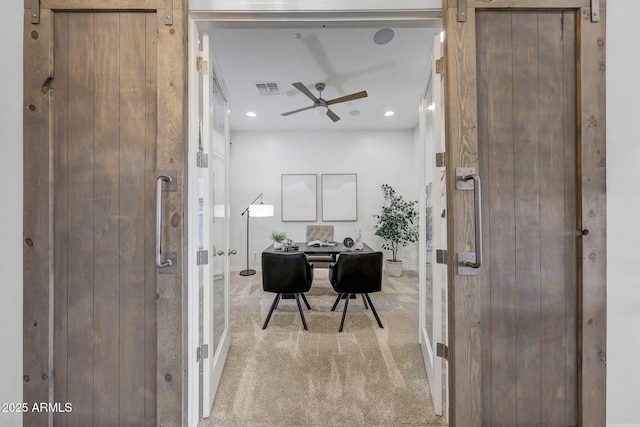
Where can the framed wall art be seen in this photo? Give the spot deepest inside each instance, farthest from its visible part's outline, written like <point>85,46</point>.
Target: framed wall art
<point>299,198</point>
<point>340,197</point>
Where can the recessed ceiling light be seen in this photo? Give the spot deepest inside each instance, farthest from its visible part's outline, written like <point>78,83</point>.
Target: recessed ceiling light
<point>354,112</point>
<point>389,114</point>
<point>383,36</point>
<point>251,114</point>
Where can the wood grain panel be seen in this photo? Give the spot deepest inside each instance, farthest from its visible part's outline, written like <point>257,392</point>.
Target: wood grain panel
<point>527,130</point>
<point>526,4</point>
<point>107,372</point>
<point>151,135</point>
<point>102,194</point>
<point>464,302</point>
<point>483,164</point>
<point>171,147</point>
<point>557,207</point>
<point>37,215</point>
<point>99,4</point>
<point>526,156</point>
<point>571,215</point>
<point>81,309</point>
<point>132,207</point>
<point>568,314</point>
<point>61,190</point>
<point>501,237</point>
<point>80,219</point>
<point>592,179</point>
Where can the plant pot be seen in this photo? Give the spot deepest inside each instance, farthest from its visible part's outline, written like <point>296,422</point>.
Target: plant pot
<point>392,268</point>
<point>278,245</point>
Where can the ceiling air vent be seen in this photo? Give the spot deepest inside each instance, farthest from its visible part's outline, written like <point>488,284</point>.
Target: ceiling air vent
<point>268,89</point>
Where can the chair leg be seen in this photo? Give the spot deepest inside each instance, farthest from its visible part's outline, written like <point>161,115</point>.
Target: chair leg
<point>344,313</point>
<point>375,313</point>
<point>304,322</point>
<point>364,301</point>
<point>335,304</point>
<point>273,307</point>
<point>305,301</point>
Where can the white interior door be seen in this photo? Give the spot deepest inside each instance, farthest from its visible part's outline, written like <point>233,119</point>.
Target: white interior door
<point>433,274</point>
<point>209,232</point>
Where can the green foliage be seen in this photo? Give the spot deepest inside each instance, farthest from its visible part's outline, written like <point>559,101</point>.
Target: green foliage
<point>397,223</point>
<point>278,236</point>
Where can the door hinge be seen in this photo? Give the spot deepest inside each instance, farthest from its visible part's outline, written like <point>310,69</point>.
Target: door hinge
<point>441,256</point>
<point>202,65</point>
<point>202,160</point>
<point>168,12</point>
<point>35,11</point>
<point>462,10</point>
<point>202,352</point>
<point>439,66</point>
<point>442,351</point>
<point>440,160</point>
<point>202,257</point>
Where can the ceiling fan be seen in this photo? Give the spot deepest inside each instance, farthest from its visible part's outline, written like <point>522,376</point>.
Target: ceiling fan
<point>321,106</point>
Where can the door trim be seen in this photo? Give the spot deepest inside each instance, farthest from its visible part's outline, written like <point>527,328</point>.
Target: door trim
<point>38,208</point>
<point>462,151</point>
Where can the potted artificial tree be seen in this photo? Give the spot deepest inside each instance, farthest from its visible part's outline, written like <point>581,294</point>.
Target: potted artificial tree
<point>397,226</point>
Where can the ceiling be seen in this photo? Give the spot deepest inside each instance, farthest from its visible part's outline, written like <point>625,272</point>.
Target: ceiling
<point>347,60</point>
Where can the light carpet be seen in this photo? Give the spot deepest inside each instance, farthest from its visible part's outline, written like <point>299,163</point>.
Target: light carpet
<point>286,376</point>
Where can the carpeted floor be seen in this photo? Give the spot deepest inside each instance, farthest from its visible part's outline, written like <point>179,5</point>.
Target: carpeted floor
<point>286,376</point>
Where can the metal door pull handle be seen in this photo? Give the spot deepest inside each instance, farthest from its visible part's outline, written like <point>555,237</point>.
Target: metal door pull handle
<point>159,262</point>
<point>477,204</point>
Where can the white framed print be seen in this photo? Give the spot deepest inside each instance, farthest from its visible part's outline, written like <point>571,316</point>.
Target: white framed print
<point>340,197</point>
<point>299,197</point>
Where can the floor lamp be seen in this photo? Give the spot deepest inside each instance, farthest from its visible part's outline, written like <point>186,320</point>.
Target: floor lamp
<point>260,210</point>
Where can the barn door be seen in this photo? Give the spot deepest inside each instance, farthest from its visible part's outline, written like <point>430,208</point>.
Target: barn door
<point>526,214</point>
<point>103,298</point>
<point>104,164</point>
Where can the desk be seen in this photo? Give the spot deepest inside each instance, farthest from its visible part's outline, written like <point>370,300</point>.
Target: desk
<point>320,250</point>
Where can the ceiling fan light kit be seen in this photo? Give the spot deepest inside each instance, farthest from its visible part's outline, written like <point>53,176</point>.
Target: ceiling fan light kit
<point>321,106</point>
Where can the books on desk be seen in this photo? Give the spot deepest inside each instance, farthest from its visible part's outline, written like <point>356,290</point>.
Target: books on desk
<point>319,243</point>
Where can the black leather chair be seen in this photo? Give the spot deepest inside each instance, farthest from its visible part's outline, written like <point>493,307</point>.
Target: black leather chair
<point>356,273</point>
<point>286,273</point>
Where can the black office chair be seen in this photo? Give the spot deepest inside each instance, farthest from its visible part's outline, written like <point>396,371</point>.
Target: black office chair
<point>286,273</point>
<point>356,273</point>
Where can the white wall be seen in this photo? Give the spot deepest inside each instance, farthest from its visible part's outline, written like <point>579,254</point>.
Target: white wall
<point>259,158</point>
<point>623,210</point>
<point>11,210</point>
<point>623,199</point>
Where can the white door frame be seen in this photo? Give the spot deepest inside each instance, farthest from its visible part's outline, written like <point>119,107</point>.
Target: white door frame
<point>251,14</point>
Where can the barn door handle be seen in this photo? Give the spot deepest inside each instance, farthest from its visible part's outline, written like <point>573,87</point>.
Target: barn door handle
<point>477,202</point>
<point>159,262</point>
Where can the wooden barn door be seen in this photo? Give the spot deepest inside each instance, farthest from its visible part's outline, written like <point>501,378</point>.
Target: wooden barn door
<point>526,149</point>
<point>103,335</point>
<point>104,164</point>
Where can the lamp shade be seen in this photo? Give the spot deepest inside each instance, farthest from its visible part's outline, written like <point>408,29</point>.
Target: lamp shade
<point>260,210</point>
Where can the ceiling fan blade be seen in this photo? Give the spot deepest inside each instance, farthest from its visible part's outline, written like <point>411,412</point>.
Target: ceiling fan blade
<point>333,116</point>
<point>302,88</point>
<point>296,111</point>
<point>346,98</point>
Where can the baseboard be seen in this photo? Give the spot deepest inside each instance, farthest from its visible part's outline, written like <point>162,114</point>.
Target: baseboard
<point>623,425</point>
